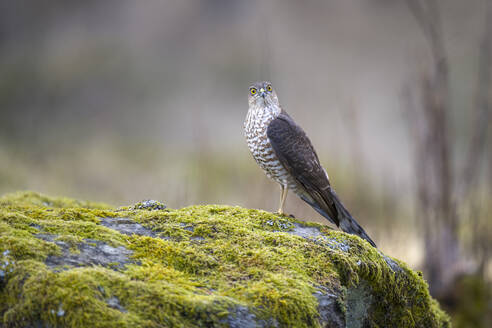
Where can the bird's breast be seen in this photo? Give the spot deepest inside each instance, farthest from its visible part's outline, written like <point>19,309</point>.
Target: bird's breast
<point>255,129</point>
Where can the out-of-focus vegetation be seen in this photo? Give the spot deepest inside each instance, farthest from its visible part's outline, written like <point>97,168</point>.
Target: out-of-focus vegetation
<point>125,101</point>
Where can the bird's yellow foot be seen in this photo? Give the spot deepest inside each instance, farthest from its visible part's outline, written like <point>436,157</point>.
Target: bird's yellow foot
<point>282,213</point>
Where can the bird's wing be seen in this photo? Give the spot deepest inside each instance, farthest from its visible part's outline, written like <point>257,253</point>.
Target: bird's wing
<point>296,153</point>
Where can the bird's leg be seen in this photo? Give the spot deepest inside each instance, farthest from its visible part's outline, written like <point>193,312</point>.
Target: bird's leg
<point>283,196</point>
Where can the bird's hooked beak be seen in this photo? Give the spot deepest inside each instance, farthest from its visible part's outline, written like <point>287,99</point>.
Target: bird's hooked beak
<point>262,92</point>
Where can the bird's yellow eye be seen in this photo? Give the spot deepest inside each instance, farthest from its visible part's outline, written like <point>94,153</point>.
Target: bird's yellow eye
<point>269,87</point>
<point>253,91</point>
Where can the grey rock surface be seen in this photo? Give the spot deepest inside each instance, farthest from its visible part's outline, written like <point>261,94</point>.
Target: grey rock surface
<point>114,303</point>
<point>329,308</point>
<point>127,226</point>
<point>392,264</point>
<point>359,299</point>
<point>304,231</point>
<point>90,252</point>
<point>241,317</point>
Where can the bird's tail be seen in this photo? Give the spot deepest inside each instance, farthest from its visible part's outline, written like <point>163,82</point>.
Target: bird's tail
<point>337,213</point>
<point>347,223</point>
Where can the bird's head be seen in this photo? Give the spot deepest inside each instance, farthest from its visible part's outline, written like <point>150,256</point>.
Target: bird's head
<point>262,94</point>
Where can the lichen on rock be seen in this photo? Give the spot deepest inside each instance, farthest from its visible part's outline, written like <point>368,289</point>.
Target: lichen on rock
<point>66,263</point>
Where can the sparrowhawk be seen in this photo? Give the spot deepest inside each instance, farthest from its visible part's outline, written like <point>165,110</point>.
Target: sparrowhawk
<point>283,150</point>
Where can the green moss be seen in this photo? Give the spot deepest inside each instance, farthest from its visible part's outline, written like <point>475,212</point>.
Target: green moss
<point>208,261</point>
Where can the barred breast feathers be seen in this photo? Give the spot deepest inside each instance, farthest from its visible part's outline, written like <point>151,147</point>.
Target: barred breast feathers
<point>255,126</point>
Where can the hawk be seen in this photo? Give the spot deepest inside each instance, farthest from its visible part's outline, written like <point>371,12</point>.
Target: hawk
<point>283,150</point>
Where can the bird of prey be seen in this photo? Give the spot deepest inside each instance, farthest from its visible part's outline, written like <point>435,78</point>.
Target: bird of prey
<point>283,150</point>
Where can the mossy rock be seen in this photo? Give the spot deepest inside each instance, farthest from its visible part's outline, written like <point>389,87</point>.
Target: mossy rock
<point>65,263</point>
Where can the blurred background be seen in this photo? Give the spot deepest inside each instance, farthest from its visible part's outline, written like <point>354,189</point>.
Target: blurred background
<point>119,101</point>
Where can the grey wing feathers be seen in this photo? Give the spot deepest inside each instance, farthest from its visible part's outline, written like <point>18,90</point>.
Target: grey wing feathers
<point>296,153</point>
